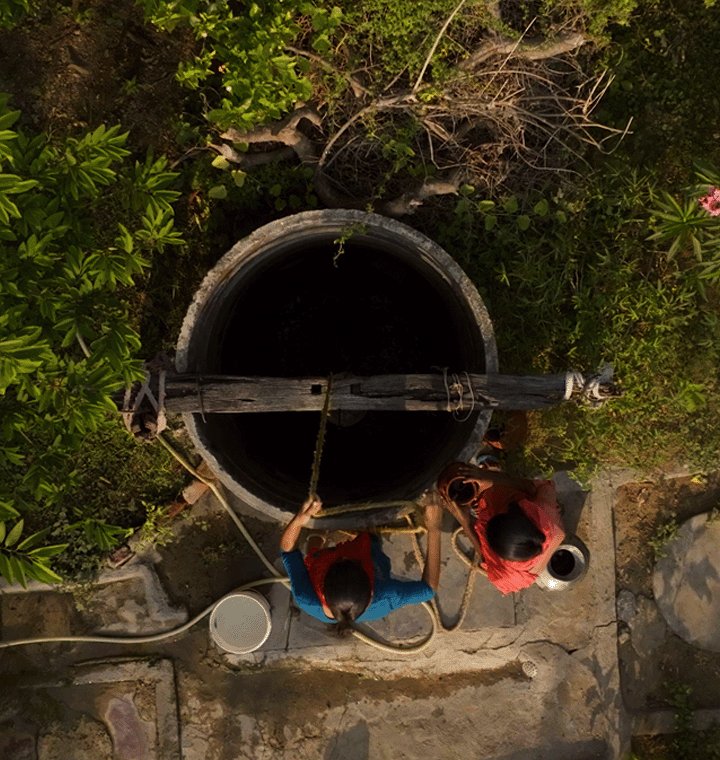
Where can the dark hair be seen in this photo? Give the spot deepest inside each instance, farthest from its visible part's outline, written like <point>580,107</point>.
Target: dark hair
<point>512,535</point>
<point>347,591</point>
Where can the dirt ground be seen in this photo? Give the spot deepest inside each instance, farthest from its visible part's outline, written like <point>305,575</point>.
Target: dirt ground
<point>642,509</point>
<point>104,67</point>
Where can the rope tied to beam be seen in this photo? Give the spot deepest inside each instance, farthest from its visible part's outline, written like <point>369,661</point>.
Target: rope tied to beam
<point>457,387</point>
<point>146,425</point>
<point>594,390</point>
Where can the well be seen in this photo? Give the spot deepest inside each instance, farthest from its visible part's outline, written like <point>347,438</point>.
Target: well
<point>331,292</point>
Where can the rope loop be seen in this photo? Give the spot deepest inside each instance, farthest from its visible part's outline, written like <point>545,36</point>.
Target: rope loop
<point>146,425</point>
<point>457,388</point>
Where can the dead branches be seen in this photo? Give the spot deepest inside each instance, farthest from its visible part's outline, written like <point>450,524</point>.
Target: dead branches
<point>511,111</point>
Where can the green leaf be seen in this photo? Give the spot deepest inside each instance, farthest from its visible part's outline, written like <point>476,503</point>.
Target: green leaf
<point>220,162</point>
<point>7,511</point>
<point>511,205</point>
<point>45,552</point>
<point>5,568</point>
<point>34,539</point>
<point>218,191</point>
<point>541,207</point>
<point>2,532</point>
<point>321,44</point>
<point>523,222</point>
<point>490,221</point>
<point>18,569</point>
<point>8,119</point>
<point>42,573</point>
<point>14,534</point>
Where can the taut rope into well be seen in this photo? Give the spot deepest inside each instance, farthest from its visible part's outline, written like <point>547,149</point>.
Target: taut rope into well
<point>320,442</point>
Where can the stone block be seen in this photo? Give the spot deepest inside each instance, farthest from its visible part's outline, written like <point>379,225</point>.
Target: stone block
<point>194,491</point>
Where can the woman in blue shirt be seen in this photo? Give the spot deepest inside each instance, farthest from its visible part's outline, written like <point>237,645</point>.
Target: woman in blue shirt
<point>351,582</point>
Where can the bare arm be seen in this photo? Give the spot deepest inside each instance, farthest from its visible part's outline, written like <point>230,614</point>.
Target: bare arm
<point>289,538</point>
<point>433,522</point>
<point>488,478</point>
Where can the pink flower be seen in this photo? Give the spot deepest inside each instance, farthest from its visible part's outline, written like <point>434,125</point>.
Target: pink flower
<point>711,202</point>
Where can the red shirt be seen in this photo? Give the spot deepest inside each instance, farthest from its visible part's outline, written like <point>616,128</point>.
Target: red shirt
<point>509,575</point>
<point>319,562</point>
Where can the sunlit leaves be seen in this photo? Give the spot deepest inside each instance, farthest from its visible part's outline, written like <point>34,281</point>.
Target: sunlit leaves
<point>27,559</point>
<point>76,225</point>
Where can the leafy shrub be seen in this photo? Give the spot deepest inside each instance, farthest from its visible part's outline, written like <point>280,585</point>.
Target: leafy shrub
<point>66,342</point>
<point>11,11</point>
<point>571,283</point>
<point>20,560</point>
<point>693,223</point>
<point>241,55</point>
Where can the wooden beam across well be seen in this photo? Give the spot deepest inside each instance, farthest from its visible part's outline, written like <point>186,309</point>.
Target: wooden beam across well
<point>431,392</point>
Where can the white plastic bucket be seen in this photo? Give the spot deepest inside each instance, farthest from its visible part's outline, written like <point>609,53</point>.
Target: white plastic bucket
<point>240,622</point>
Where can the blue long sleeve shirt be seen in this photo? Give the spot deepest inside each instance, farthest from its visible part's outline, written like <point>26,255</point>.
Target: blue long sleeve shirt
<point>388,594</point>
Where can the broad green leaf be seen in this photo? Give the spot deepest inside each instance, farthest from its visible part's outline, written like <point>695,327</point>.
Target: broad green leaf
<point>541,207</point>
<point>18,569</point>
<point>42,573</point>
<point>8,119</point>
<point>220,162</point>
<point>34,539</point>
<point>5,568</point>
<point>7,511</point>
<point>218,191</point>
<point>14,534</point>
<point>45,552</point>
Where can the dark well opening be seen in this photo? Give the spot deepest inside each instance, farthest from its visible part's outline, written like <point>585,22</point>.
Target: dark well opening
<point>302,310</point>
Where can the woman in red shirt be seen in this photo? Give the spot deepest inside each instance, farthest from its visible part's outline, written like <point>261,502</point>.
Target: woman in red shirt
<point>514,524</point>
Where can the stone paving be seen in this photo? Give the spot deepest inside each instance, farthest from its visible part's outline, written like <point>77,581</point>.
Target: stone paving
<point>528,676</point>
<point>686,583</point>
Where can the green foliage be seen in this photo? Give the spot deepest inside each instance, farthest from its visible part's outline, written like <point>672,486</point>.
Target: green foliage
<point>571,283</point>
<point>101,534</point>
<point>600,14</point>
<point>689,227</point>
<point>399,36</point>
<point>112,478</point>
<point>242,54</point>
<point>663,82</point>
<point>12,11</point>
<point>20,560</point>
<point>155,529</point>
<point>662,536</point>
<point>687,743</point>
<point>65,338</point>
